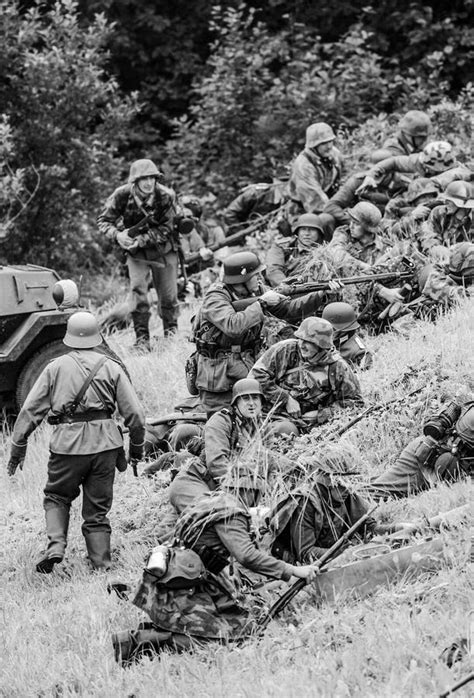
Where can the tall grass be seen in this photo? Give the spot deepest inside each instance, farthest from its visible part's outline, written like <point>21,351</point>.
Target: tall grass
<point>56,629</point>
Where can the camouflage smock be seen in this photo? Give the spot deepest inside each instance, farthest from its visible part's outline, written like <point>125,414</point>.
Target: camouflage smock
<point>314,179</point>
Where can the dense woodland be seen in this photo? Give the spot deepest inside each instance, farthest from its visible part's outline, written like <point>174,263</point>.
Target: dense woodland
<point>218,95</point>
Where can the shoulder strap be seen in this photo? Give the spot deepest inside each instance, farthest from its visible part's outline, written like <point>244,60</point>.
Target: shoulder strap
<point>93,372</point>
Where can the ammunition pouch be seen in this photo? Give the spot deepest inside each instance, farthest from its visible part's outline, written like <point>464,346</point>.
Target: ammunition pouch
<point>190,372</point>
<point>214,352</point>
<point>89,416</point>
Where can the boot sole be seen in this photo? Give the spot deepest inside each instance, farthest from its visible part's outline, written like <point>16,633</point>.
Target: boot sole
<point>46,566</point>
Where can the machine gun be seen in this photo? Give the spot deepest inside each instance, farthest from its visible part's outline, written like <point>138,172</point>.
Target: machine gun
<point>296,289</point>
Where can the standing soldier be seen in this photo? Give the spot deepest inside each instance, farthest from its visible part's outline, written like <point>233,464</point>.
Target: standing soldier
<point>139,218</point>
<point>79,392</point>
<point>228,340</point>
<point>413,131</point>
<point>317,170</point>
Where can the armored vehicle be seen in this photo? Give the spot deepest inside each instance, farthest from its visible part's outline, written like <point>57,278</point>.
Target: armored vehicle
<point>31,329</point>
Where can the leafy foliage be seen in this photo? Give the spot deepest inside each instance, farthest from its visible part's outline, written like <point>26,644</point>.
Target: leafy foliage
<point>66,119</point>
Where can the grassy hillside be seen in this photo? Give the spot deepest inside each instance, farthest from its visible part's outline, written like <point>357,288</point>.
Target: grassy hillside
<point>56,629</point>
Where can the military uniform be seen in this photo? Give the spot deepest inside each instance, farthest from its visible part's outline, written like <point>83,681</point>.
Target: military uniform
<point>156,252</point>
<point>254,201</point>
<point>443,228</point>
<point>346,196</point>
<point>414,164</point>
<point>286,257</point>
<point>348,255</point>
<point>352,349</point>
<point>315,179</point>
<point>85,450</point>
<point>282,373</point>
<point>228,341</point>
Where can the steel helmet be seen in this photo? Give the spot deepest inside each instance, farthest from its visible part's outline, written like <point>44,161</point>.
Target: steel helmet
<point>82,331</point>
<point>66,293</point>
<point>309,220</point>
<point>421,186</point>
<point>438,156</point>
<point>367,214</point>
<point>143,168</point>
<point>192,203</point>
<point>240,267</point>
<point>319,133</point>
<point>246,386</point>
<point>342,316</point>
<point>460,193</point>
<point>465,425</point>
<point>415,123</point>
<point>317,331</point>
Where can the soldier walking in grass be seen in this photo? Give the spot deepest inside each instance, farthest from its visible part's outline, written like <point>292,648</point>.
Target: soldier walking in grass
<point>78,393</point>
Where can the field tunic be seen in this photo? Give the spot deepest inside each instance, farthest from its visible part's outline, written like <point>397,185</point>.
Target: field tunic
<point>286,257</point>
<point>442,228</point>
<point>314,179</point>
<point>57,387</point>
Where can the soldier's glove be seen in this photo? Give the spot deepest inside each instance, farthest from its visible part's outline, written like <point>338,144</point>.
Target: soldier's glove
<point>270,298</point>
<point>17,458</point>
<point>135,452</point>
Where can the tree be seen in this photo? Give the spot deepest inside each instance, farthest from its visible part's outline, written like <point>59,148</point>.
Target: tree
<point>66,119</point>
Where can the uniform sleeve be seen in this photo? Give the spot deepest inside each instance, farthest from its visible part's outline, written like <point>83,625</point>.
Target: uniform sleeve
<point>305,187</point>
<point>130,408</point>
<point>275,262</point>
<point>294,310</point>
<point>266,371</point>
<point>218,310</point>
<point>398,163</point>
<point>343,199</point>
<point>167,215</point>
<point>346,386</point>
<point>35,408</point>
<point>109,216</point>
<point>238,210</point>
<point>217,446</point>
<point>432,230</point>
<point>235,536</point>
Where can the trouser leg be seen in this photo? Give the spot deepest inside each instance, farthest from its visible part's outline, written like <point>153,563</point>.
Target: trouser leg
<point>403,478</point>
<point>96,503</point>
<point>139,275</point>
<point>165,280</point>
<point>213,402</point>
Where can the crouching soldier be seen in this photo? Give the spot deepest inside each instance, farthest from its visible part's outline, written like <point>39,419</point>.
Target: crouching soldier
<point>305,380</point>
<point>201,598</point>
<point>79,392</point>
<point>445,452</point>
<point>350,346</point>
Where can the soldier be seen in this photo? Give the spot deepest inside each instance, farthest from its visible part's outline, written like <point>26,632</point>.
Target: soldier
<point>139,218</point>
<point>445,452</point>
<point>304,379</point>
<point>437,160</point>
<point>413,131</point>
<point>416,203</point>
<point>227,340</point>
<point>288,256</point>
<point>449,223</point>
<point>317,170</point>
<point>255,201</point>
<point>210,234</point>
<point>350,346</point>
<point>211,219</point>
<point>79,392</point>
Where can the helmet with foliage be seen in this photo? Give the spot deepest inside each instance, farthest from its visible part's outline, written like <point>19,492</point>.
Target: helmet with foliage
<point>465,425</point>
<point>245,386</point>
<point>308,220</point>
<point>437,156</point>
<point>143,168</point>
<point>367,215</point>
<point>460,193</point>
<point>192,203</point>
<point>415,123</point>
<point>319,133</point>
<point>82,331</point>
<point>342,316</point>
<point>421,186</point>
<point>240,267</point>
<point>317,331</point>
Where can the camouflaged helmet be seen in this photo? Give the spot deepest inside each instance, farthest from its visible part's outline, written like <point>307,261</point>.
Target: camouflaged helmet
<point>319,133</point>
<point>422,186</point>
<point>342,316</point>
<point>309,220</point>
<point>82,331</point>
<point>461,263</point>
<point>438,156</point>
<point>460,193</point>
<point>245,386</point>
<point>465,425</point>
<point>240,267</point>
<point>415,123</point>
<point>143,168</point>
<point>317,331</point>
<point>367,215</point>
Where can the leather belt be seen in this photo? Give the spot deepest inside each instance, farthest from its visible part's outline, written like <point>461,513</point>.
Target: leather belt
<point>89,416</point>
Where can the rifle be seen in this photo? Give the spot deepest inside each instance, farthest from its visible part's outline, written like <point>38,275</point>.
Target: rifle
<point>295,289</point>
<point>290,594</point>
<point>178,417</point>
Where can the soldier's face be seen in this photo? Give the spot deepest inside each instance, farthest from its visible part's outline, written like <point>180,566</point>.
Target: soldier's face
<point>358,232</point>
<point>309,237</point>
<point>254,283</point>
<point>249,406</point>
<point>325,149</point>
<point>310,351</point>
<point>419,141</point>
<point>146,184</point>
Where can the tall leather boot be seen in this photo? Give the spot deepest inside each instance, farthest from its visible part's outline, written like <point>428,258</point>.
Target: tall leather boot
<point>98,549</point>
<point>132,645</point>
<point>141,321</point>
<point>57,523</point>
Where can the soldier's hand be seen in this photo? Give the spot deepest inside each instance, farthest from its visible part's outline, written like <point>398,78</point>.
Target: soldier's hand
<point>368,183</point>
<point>13,464</point>
<point>307,572</point>
<point>125,241</point>
<point>271,298</point>
<point>420,212</point>
<point>293,407</point>
<point>205,253</point>
<point>391,295</point>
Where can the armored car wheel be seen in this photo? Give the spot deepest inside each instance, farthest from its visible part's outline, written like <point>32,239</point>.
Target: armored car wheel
<point>34,366</point>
